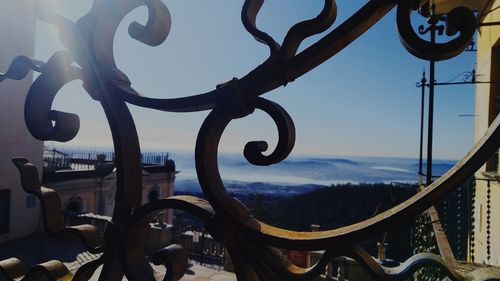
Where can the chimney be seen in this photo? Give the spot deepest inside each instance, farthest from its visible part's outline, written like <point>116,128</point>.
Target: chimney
<point>382,248</point>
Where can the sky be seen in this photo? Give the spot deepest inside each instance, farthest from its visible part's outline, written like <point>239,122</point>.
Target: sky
<point>361,102</point>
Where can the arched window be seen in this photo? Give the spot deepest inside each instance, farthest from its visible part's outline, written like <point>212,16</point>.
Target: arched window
<point>154,193</point>
<point>75,205</point>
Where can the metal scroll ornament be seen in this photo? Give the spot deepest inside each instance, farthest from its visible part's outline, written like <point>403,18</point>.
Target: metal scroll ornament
<point>89,57</point>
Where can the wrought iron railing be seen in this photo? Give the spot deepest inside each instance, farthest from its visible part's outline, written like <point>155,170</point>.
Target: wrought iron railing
<point>86,159</point>
<point>202,249</point>
<point>251,244</point>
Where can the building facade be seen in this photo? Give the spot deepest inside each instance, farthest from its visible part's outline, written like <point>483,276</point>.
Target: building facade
<point>484,243</point>
<point>92,190</point>
<point>17,38</point>
<point>158,182</point>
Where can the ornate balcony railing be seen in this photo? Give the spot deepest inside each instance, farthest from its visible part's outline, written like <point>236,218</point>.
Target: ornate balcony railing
<point>89,57</point>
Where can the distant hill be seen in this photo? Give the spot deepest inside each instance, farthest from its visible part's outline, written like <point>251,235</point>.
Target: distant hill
<point>438,168</point>
<point>296,171</point>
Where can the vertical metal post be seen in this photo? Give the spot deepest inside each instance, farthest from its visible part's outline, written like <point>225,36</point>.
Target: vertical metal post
<point>422,108</point>
<point>430,126</point>
<point>202,247</point>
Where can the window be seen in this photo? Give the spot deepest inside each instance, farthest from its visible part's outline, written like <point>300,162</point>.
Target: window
<point>494,107</point>
<point>30,201</point>
<point>74,206</point>
<point>154,193</point>
<point>4,210</point>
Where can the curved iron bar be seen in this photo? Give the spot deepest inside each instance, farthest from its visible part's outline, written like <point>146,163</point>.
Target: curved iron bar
<point>297,33</point>
<point>276,269</point>
<point>484,274</point>
<point>38,112</point>
<point>249,17</point>
<point>467,77</point>
<point>302,30</point>
<point>132,257</point>
<point>458,20</point>
<point>259,256</point>
<point>175,259</point>
<point>13,269</point>
<point>53,219</point>
<point>52,270</point>
<point>207,147</point>
<point>470,76</point>
<point>401,272</point>
<point>211,183</point>
<point>254,260</point>
<point>424,30</point>
<point>100,33</point>
<point>86,271</point>
<point>269,75</point>
<point>286,136</point>
<point>20,67</point>
<point>90,45</point>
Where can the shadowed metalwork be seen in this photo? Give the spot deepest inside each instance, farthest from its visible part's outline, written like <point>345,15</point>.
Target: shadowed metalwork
<point>89,57</point>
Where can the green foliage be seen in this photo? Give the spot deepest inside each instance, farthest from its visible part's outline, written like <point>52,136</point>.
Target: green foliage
<point>340,205</point>
<point>257,207</point>
<point>336,206</point>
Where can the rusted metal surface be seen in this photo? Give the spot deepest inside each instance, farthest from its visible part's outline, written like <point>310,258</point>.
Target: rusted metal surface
<point>175,259</point>
<point>250,243</point>
<point>12,269</point>
<point>52,213</point>
<point>442,241</point>
<point>401,272</point>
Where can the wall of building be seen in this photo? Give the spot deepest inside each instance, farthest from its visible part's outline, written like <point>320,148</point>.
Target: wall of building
<point>164,182</point>
<point>87,193</point>
<point>17,21</point>
<point>488,38</point>
<point>96,194</point>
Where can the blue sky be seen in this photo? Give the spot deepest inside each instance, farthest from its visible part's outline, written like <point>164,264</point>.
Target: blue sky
<point>362,102</point>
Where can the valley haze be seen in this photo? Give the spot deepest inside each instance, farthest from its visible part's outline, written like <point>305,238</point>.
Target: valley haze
<point>301,174</point>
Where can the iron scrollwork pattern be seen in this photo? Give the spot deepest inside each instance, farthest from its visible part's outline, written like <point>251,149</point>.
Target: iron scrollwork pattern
<point>89,57</point>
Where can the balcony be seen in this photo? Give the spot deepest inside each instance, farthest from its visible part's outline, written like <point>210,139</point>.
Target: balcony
<point>257,250</point>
